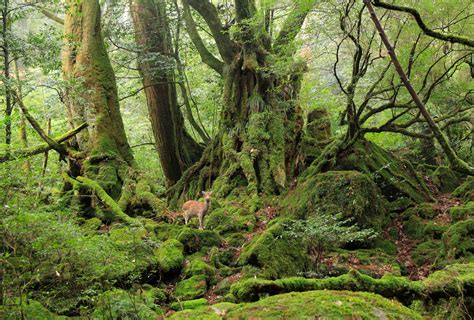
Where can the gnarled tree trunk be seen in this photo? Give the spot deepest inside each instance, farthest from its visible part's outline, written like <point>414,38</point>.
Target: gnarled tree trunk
<point>261,125</point>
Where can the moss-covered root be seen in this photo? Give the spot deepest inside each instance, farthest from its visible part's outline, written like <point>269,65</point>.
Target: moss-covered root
<point>105,198</point>
<point>307,305</point>
<point>456,280</point>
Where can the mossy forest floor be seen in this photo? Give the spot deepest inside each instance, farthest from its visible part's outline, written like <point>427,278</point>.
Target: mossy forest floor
<point>246,263</point>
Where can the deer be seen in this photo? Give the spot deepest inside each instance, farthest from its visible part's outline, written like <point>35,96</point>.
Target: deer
<point>196,208</point>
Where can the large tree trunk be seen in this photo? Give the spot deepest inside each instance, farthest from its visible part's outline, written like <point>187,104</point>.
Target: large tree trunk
<point>261,125</point>
<point>92,97</point>
<point>6,74</point>
<point>176,149</point>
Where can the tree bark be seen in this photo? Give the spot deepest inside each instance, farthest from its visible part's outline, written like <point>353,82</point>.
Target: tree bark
<point>455,161</point>
<point>91,97</point>
<point>261,125</point>
<point>176,149</point>
<point>6,74</point>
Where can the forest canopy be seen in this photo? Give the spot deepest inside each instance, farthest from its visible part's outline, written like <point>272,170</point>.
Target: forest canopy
<point>194,158</point>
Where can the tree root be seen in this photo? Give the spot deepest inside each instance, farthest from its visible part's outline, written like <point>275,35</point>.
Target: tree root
<point>454,281</point>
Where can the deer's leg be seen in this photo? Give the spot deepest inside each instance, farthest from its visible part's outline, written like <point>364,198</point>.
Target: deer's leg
<point>200,222</point>
<point>186,220</point>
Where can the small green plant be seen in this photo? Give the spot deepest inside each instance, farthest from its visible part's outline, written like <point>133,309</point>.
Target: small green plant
<point>323,232</point>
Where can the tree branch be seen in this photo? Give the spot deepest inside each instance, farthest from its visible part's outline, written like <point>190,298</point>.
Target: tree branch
<point>293,24</point>
<point>41,148</point>
<point>208,11</point>
<point>429,32</point>
<point>206,56</point>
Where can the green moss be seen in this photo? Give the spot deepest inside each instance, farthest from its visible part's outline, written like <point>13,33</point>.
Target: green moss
<point>189,304</point>
<point>325,304</point>
<point>446,179</point>
<point>350,193</point>
<point>230,219</point>
<point>414,228</point>
<point>170,255</point>
<point>277,255</point>
<point>465,190</point>
<point>394,176</point>
<point>121,234</point>
<point>153,295</point>
<point>309,305</point>
<point>191,288</point>
<point>462,212</point>
<point>199,267</point>
<point>119,304</point>
<point>455,280</point>
<point>165,231</point>
<point>195,239</point>
<point>459,240</point>
<point>29,310</point>
<point>373,262</point>
<point>426,252</point>
<point>91,225</point>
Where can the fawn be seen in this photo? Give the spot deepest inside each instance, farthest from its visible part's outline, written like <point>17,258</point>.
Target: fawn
<point>196,208</point>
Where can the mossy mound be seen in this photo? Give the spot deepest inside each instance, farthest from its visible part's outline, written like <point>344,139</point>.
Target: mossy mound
<point>91,225</point>
<point>199,267</point>
<point>170,255</point>
<point>275,253</point>
<point>350,193</point>
<point>189,304</point>
<point>153,295</point>
<point>230,219</point>
<point>120,304</point>
<point>459,240</point>
<point>308,305</point>
<point>191,288</point>
<point>395,177</point>
<point>195,239</point>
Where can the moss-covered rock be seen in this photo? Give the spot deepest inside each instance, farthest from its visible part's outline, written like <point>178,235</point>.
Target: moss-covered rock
<point>120,304</point>
<point>195,239</point>
<point>230,219</point>
<point>446,179</point>
<point>192,288</point>
<point>350,193</point>
<point>459,240</point>
<point>395,176</point>
<point>189,304</point>
<point>275,253</point>
<point>199,267</point>
<point>309,305</point>
<point>170,255</point>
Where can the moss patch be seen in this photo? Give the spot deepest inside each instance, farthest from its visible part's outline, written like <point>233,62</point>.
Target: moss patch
<point>195,239</point>
<point>459,240</point>
<point>350,193</point>
<point>170,255</point>
<point>277,255</point>
<point>191,288</point>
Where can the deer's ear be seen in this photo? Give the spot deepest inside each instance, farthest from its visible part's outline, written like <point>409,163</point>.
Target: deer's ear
<point>210,193</point>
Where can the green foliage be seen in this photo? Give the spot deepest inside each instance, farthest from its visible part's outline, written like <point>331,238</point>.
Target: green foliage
<point>191,288</point>
<point>70,264</point>
<point>120,304</point>
<point>170,255</point>
<point>323,232</point>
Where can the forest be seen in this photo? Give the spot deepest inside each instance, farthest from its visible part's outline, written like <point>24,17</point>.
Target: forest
<point>237,159</point>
